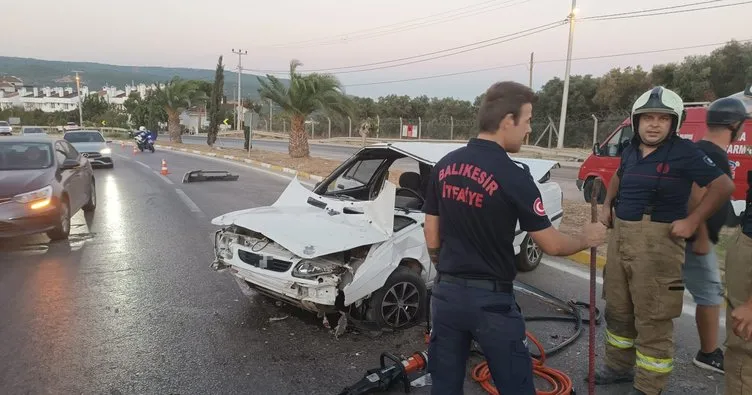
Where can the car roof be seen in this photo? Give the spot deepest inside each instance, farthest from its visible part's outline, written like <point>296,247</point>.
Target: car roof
<point>29,139</point>
<point>83,131</point>
<point>422,151</point>
<point>431,153</point>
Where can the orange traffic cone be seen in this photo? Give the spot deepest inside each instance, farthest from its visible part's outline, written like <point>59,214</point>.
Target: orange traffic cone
<point>164,168</point>
<point>122,144</point>
<point>135,150</point>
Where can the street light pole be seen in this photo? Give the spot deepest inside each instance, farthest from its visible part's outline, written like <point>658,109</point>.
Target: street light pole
<point>565,95</point>
<point>240,53</point>
<point>78,93</point>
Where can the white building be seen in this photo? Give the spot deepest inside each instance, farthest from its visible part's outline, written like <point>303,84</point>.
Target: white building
<point>50,99</point>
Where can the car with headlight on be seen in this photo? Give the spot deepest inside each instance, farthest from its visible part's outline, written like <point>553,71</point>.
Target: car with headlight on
<point>43,182</point>
<point>93,146</point>
<point>354,244</point>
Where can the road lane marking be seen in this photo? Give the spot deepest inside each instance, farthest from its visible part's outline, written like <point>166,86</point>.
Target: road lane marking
<point>687,309</point>
<point>144,165</point>
<point>188,202</point>
<point>164,178</point>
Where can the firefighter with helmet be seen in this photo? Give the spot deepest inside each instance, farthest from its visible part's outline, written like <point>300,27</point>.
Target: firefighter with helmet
<point>647,206</point>
<point>732,113</point>
<point>724,119</point>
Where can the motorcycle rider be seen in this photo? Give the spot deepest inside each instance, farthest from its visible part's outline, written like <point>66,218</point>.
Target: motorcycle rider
<point>643,283</point>
<point>145,134</point>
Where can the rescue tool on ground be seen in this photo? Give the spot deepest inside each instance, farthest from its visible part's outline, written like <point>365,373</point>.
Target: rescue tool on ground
<point>409,372</point>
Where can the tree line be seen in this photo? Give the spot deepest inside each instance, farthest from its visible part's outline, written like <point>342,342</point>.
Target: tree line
<point>320,98</point>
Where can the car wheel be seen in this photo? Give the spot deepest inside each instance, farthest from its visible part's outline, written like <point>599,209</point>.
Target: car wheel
<point>587,190</point>
<point>401,302</point>
<point>91,205</point>
<point>62,230</point>
<point>530,255</point>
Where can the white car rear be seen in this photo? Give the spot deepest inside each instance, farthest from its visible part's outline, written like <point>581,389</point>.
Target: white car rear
<point>355,243</point>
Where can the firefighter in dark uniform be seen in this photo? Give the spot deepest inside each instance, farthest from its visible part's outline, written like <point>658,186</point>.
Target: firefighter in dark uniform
<point>738,361</point>
<point>475,197</point>
<point>643,281</point>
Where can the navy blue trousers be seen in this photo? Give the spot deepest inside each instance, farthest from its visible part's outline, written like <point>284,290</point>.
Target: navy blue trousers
<point>493,319</point>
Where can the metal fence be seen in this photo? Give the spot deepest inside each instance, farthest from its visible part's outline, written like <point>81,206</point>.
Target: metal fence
<point>579,133</point>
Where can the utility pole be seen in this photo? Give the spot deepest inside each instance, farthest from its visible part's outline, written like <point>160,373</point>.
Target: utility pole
<point>565,96</point>
<point>240,53</point>
<point>530,83</point>
<point>78,93</point>
<point>270,115</point>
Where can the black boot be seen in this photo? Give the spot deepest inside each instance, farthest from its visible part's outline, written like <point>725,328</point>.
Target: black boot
<point>606,375</point>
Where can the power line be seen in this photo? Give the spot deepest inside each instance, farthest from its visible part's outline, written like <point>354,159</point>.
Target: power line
<point>416,25</point>
<point>540,61</point>
<point>506,36</point>
<point>652,9</point>
<point>646,12</point>
<point>502,39</point>
<point>396,24</point>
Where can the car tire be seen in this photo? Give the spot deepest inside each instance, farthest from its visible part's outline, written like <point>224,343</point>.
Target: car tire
<point>62,230</point>
<point>530,255</point>
<point>91,205</point>
<point>587,190</point>
<point>401,302</point>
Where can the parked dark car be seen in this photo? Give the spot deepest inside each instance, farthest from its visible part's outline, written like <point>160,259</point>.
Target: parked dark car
<point>44,181</point>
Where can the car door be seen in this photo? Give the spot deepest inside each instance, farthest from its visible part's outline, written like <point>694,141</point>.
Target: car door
<point>77,180</point>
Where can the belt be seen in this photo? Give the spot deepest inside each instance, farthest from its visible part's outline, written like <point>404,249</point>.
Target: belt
<point>490,285</point>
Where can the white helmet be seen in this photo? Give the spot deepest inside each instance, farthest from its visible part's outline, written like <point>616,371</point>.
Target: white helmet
<point>662,100</point>
<point>142,128</point>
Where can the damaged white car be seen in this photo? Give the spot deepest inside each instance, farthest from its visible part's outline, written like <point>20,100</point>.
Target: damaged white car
<point>355,245</point>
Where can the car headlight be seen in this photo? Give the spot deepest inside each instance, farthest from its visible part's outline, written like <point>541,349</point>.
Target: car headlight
<point>38,199</point>
<point>105,151</point>
<point>310,269</point>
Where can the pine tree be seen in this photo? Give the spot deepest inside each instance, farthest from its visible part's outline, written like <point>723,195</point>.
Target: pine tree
<point>216,101</point>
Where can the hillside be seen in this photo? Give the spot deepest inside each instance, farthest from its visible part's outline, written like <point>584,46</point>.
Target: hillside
<point>95,75</point>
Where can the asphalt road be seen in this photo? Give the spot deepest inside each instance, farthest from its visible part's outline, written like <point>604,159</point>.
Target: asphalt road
<point>130,305</point>
<point>565,176</point>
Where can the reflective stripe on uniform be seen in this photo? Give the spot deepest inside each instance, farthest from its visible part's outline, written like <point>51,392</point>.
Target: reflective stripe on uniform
<point>658,365</point>
<point>618,341</point>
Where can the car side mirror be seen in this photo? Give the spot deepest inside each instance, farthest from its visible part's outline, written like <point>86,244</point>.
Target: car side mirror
<point>595,149</point>
<point>69,164</point>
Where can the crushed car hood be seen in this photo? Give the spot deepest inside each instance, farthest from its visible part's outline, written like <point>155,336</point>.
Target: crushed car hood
<point>310,225</point>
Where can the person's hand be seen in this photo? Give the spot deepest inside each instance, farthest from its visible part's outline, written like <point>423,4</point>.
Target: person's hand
<point>594,234</point>
<point>605,216</point>
<point>742,316</point>
<point>701,246</point>
<point>683,228</point>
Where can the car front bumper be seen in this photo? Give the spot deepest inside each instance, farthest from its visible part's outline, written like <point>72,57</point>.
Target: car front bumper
<point>16,219</point>
<point>274,278</point>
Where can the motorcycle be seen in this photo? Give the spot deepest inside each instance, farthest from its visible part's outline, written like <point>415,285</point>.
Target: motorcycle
<point>144,142</point>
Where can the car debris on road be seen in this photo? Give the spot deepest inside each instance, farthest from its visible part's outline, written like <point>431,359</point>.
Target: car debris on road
<point>209,175</point>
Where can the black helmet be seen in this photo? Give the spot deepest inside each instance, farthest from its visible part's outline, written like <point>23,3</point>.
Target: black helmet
<point>726,112</point>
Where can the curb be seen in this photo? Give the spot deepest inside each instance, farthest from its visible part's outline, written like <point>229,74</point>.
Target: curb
<point>268,166</point>
<point>583,258</point>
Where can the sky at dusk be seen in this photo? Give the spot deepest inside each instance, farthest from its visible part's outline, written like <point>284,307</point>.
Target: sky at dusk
<point>329,34</point>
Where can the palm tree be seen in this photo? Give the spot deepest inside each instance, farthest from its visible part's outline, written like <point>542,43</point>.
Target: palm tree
<point>306,94</point>
<point>177,96</point>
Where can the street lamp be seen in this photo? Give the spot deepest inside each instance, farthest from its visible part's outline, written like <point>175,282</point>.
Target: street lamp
<point>563,119</point>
